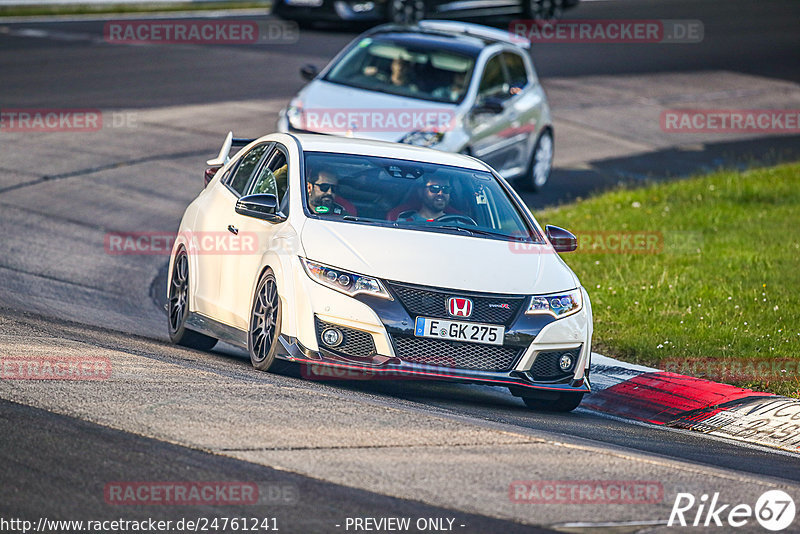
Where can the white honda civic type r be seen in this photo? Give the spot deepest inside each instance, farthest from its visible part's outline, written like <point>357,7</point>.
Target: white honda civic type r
<point>384,259</point>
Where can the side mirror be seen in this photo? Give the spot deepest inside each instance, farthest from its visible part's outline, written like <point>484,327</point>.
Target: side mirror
<point>561,240</point>
<point>491,105</point>
<point>309,72</point>
<point>260,206</point>
<point>209,174</point>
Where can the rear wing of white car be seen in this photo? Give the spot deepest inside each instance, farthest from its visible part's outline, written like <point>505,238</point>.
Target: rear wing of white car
<point>224,153</point>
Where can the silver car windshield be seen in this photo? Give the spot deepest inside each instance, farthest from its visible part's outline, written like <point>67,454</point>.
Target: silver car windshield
<point>412,195</point>
<point>391,67</point>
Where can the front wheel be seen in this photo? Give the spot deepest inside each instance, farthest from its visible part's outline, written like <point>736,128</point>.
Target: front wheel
<point>566,402</point>
<point>178,308</point>
<point>544,10</point>
<point>265,324</point>
<point>541,163</point>
<point>405,11</point>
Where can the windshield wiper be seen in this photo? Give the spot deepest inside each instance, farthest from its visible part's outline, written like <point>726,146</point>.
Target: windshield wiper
<point>353,218</point>
<point>454,227</point>
<point>472,230</point>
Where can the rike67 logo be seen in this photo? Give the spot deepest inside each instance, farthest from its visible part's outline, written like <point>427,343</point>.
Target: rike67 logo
<point>774,510</point>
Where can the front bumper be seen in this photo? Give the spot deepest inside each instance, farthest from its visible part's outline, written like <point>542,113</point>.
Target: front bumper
<point>380,343</point>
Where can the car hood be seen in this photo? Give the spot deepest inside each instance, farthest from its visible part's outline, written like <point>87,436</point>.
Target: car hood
<point>437,259</point>
<point>329,101</point>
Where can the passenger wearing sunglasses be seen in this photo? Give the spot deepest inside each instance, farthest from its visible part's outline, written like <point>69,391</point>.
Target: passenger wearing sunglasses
<point>435,197</point>
<point>322,189</point>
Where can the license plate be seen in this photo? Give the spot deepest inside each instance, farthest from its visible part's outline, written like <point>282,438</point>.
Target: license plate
<point>489,334</point>
<point>304,3</point>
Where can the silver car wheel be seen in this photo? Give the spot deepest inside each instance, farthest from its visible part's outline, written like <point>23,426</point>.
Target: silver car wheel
<point>406,11</point>
<point>542,160</point>
<point>178,307</point>
<point>265,324</point>
<point>545,10</point>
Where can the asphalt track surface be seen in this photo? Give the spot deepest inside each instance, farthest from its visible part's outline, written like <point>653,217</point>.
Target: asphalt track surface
<point>74,485</point>
<point>56,465</point>
<point>750,37</point>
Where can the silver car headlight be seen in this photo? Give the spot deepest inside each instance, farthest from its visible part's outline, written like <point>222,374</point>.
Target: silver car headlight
<point>558,305</point>
<point>344,281</point>
<point>427,139</point>
<point>294,114</point>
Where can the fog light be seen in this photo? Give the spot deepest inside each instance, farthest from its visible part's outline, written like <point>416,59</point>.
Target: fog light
<point>332,337</point>
<point>566,361</point>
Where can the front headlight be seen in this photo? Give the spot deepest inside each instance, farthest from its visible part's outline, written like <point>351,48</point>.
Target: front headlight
<point>294,114</point>
<point>427,139</point>
<point>558,305</point>
<point>344,281</point>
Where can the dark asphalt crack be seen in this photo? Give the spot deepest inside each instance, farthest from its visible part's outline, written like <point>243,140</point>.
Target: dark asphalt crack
<point>523,441</point>
<point>60,280</point>
<point>108,166</point>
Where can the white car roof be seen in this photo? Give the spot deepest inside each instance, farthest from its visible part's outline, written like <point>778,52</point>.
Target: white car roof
<point>368,147</point>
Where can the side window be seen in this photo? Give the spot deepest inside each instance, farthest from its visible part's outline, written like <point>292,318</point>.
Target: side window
<point>273,178</point>
<point>493,83</point>
<point>247,164</point>
<point>518,76</point>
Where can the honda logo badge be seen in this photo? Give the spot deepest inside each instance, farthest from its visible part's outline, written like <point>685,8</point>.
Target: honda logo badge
<point>459,307</point>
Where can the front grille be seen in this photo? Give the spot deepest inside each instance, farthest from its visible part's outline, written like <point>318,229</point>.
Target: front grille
<point>455,355</point>
<point>545,366</point>
<point>422,301</point>
<point>355,342</point>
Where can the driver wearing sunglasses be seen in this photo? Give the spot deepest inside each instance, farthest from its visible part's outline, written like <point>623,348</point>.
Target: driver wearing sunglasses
<point>322,188</point>
<point>435,196</point>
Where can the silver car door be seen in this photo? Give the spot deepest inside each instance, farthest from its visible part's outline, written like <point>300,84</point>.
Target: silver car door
<point>488,122</point>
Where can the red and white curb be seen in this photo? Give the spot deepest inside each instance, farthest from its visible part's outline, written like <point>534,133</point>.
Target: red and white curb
<point>663,398</point>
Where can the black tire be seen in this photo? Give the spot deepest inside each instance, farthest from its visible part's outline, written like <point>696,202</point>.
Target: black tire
<point>566,402</point>
<point>265,324</point>
<point>178,307</point>
<point>544,10</point>
<point>405,11</point>
<point>541,165</point>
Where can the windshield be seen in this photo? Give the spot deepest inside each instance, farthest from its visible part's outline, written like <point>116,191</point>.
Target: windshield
<point>411,195</point>
<point>381,64</point>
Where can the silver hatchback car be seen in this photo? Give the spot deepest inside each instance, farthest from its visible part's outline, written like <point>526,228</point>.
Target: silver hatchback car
<point>452,86</point>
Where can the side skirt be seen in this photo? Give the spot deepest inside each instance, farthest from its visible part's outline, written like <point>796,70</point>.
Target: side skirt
<point>223,332</point>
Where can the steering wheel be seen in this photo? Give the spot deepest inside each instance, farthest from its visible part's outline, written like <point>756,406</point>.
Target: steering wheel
<point>456,218</point>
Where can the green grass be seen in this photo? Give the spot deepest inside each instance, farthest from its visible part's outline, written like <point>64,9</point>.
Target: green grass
<point>723,286</point>
<point>112,8</point>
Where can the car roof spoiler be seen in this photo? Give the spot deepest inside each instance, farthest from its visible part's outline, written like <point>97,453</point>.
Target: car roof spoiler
<point>475,30</point>
<point>224,153</point>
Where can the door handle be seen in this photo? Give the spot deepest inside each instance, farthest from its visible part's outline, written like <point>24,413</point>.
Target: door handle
<point>232,229</point>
